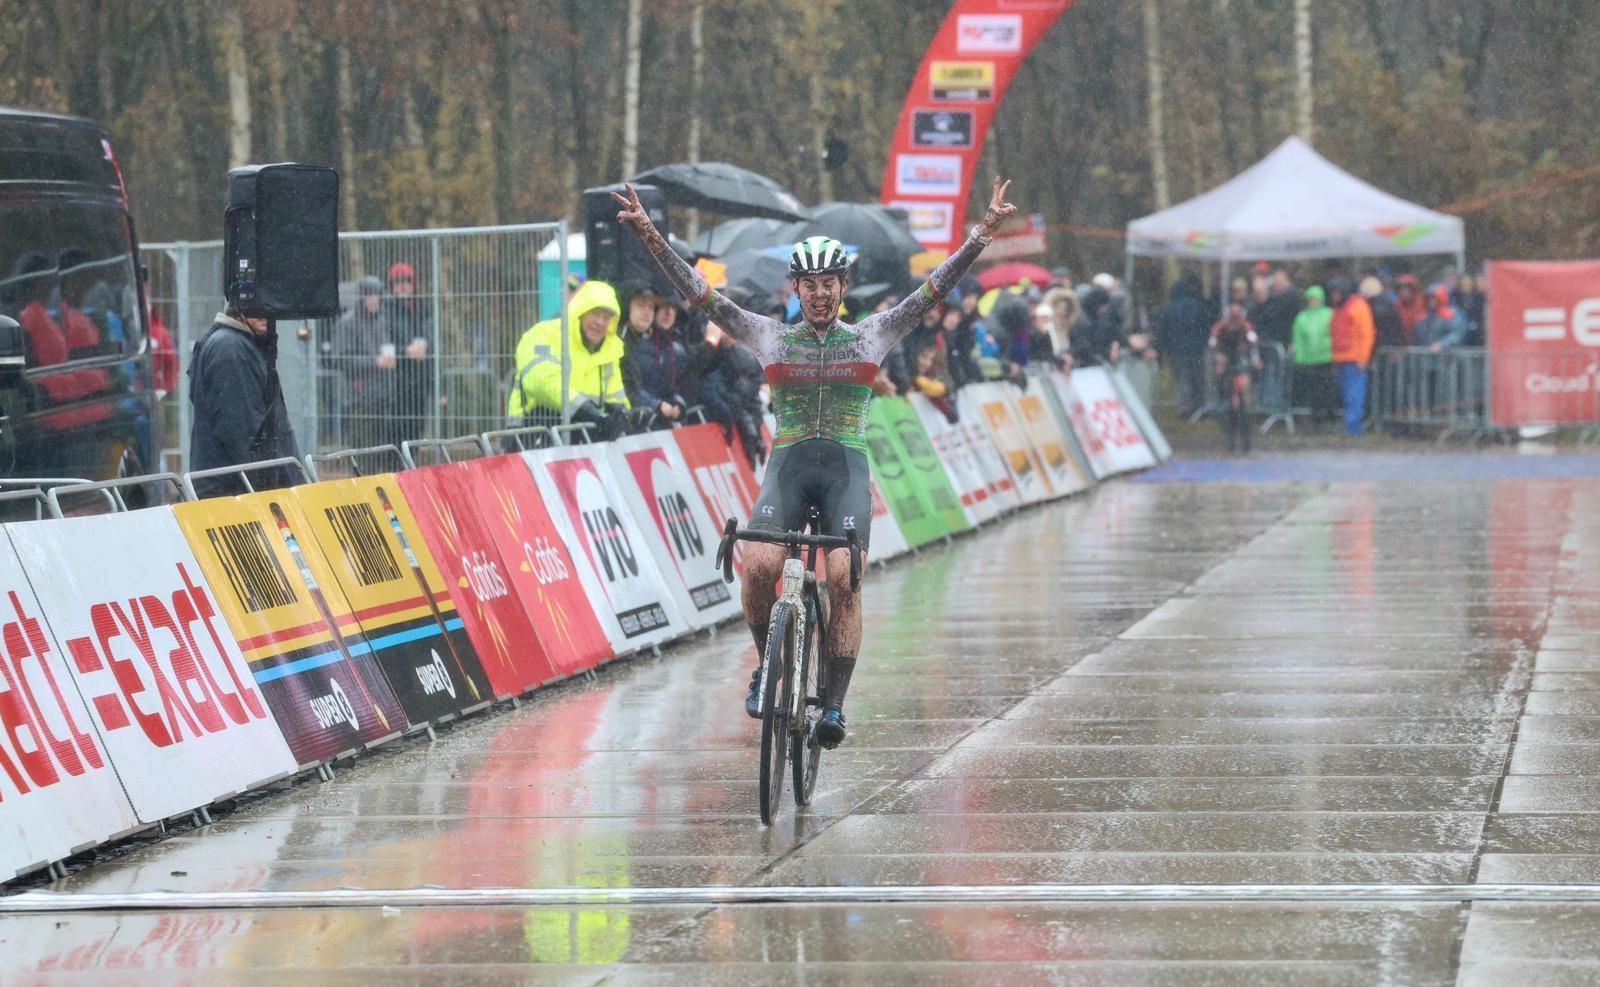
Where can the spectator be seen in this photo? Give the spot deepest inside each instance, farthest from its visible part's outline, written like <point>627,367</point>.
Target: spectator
<point>1313,355</point>
<point>653,358</point>
<point>1239,293</point>
<point>1064,300</point>
<point>960,342</point>
<point>239,414</point>
<point>1260,294</point>
<point>1444,328</point>
<point>929,377</point>
<point>731,393</point>
<point>411,325</point>
<point>1275,320</point>
<point>1352,336</point>
<point>364,351</point>
<point>1385,317</point>
<point>1096,339</point>
<point>638,309</point>
<point>1183,334</point>
<point>1042,346</point>
<point>1471,302</point>
<point>1410,303</point>
<point>1012,320</point>
<point>595,393</point>
<point>164,356</point>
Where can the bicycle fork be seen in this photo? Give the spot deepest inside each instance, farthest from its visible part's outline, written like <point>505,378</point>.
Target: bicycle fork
<point>793,577</point>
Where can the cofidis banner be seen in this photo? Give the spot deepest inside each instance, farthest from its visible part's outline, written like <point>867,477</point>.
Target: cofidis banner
<point>169,693</point>
<point>372,544</point>
<point>305,650</point>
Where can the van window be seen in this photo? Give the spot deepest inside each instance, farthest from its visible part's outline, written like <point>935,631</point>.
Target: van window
<point>67,275</point>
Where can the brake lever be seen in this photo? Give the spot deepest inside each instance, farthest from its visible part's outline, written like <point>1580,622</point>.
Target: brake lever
<point>724,559</point>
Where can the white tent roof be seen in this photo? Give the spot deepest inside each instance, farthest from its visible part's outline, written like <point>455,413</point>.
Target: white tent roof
<point>1294,204</point>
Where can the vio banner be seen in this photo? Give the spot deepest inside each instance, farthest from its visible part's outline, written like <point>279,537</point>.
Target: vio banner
<point>1544,344</point>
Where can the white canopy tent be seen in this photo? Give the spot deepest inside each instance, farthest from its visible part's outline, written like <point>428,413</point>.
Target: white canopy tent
<point>1294,204</point>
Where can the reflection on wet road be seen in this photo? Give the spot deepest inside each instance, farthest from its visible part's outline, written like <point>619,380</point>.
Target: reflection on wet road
<point>1388,681</point>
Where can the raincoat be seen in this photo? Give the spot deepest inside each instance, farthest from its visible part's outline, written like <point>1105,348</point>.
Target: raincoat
<point>1312,344</point>
<point>596,376</point>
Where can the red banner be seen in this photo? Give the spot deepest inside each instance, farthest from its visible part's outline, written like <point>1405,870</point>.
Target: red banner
<point>478,578</point>
<point>946,116</point>
<point>724,478</point>
<point>1544,343</point>
<point>542,573</point>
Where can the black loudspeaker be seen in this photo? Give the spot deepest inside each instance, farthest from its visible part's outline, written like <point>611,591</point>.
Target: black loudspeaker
<point>280,241</point>
<point>616,254</point>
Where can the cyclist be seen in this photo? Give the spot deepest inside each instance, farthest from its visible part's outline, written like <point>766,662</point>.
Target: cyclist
<point>1237,355</point>
<point>821,373</point>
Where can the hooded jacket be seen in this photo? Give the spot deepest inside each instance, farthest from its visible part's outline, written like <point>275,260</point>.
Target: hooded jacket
<point>1185,326</point>
<point>596,376</point>
<point>1312,344</point>
<point>1352,332</point>
<point>1444,326</point>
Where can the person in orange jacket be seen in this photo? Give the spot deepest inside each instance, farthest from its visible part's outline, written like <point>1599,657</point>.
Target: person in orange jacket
<point>1353,336</point>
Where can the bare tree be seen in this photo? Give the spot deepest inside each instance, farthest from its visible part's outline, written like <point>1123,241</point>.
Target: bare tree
<point>1302,69</point>
<point>1158,124</point>
<point>230,32</point>
<point>630,93</point>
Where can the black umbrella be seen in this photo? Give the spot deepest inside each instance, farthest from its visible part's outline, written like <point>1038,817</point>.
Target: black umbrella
<point>757,273</point>
<point>884,243</point>
<point>725,188</point>
<point>751,233</point>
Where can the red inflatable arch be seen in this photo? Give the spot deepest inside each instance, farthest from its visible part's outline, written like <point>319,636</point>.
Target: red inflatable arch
<point>946,116</point>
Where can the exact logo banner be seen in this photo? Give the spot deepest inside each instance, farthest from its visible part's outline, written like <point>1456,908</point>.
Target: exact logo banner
<point>945,129</point>
<point>57,787</point>
<point>168,691</point>
<point>597,524</point>
<point>679,531</point>
<point>1101,422</point>
<point>930,222</point>
<point>510,650</point>
<point>371,542</point>
<point>989,34</point>
<point>1544,343</point>
<point>927,174</point>
<point>544,577</point>
<point>961,82</point>
<point>305,651</point>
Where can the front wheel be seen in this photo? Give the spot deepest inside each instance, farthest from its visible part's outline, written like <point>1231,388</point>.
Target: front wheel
<point>805,754</point>
<point>775,712</point>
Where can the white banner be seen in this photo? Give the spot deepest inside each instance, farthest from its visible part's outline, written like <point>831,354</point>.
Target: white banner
<point>170,696</point>
<point>614,565</point>
<point>1153,436</point>
<point>989,404</point>
<point>660,492</point>
<point>887,539</point>
<point>58,792</point>
<point>1105,430</point>
<point>1044,432</point>
<point>950,442</point>
<point>980,442</point>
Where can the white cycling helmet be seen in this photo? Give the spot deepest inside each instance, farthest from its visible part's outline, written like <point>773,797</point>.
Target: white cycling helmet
<point>818,255</point>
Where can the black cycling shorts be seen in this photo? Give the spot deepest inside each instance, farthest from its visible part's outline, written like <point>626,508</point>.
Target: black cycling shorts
<point>818,473</point>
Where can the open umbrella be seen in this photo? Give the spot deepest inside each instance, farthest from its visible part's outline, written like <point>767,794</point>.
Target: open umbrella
<point>884,244</point>
<point>1006,275</point>
<point>722,187</point>
<point>758,274</point>
<point>750,233</point>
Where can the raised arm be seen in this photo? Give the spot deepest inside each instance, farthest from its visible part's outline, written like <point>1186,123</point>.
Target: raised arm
<point>747,327</point>
<point>900,320</point>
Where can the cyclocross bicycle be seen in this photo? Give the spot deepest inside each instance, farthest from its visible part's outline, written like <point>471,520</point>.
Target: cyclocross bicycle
<point>793,669</point>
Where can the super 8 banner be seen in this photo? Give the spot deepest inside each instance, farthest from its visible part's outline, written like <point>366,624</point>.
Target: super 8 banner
<point>305,650</point>
<point>58,791</point>
<point>1544,343</point>
<point>169,693</point>
<point>923,461</point>
<point>371,542</point>
<point>478,577</point>
<point>918,522</point>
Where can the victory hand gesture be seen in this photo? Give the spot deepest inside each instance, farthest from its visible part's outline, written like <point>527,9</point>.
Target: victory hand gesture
<point>634,215</point>
<point>999,209</point>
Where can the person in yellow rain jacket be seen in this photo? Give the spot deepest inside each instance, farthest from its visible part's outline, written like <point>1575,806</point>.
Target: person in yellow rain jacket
<point>594,393</point>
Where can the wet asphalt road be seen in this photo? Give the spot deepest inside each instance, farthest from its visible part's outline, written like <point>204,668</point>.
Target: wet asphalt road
<point>1243,677</point>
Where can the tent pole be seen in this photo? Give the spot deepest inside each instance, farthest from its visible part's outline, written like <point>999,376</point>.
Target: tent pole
<point>1224,292</point>
<point>1127,280</point>
<point>1461,262</point>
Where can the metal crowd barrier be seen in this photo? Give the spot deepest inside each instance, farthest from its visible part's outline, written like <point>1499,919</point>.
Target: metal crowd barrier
<point>1415,387</point>
<point>1271,396</point>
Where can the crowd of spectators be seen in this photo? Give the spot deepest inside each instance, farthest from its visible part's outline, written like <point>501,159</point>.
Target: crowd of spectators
<point>1329,333</point>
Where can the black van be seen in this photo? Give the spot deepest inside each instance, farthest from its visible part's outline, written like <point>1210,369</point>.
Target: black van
<point>85,404</point>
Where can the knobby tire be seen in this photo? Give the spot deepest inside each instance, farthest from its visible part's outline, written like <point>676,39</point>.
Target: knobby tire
<point>775,715</point>
<point>805,753</point>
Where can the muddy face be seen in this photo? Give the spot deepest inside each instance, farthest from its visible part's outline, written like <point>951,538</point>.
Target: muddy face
<point>820,296</point>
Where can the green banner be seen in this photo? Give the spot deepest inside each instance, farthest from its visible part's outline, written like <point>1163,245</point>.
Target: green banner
<point>933,479</point>
<point>901,487</point>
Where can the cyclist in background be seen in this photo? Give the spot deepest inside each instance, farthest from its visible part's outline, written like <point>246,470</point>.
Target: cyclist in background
<point>821,373</point>
<point>1237,355</point>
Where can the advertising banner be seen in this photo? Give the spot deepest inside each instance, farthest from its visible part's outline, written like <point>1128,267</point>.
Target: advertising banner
<point>945,119</point>
<point>167,690</point>
<point>1544,343</point>
<point>58,791</point>
<point>1061,467</point>
<point>990,462</point>
<point>989,404</point>
<point>1100,420</point>
<point>575,634</point>
<point>950,442</point>
<point>479,579</point>
<point>676,524</point>
<point>1153,436</point>
<point>926,466</point>
<point>724,478</point>
<point>918,521</point>
<point>602,534</point>
<point>888,541</point>
<point>372,543</point>
<point>304,649</point>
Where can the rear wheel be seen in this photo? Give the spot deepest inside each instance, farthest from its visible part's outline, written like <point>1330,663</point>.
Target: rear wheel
<point>775,714</point>
<point>805,754</point>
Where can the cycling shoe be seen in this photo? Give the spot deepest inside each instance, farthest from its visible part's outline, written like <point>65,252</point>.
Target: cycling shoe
<point>752,699</point>
<point>830,730</point>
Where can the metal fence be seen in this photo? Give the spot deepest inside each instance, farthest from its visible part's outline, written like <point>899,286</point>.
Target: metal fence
<point>1271,396</point>
<point>1445,390</point>
<point>430,360</point>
